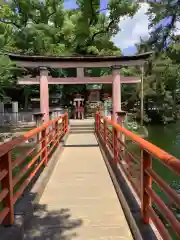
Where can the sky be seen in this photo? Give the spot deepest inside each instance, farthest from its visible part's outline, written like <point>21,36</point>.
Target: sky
<point>72,4</point>
<point>132,29</point>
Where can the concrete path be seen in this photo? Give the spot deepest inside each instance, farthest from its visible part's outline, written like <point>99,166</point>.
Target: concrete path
<point>79,201</point>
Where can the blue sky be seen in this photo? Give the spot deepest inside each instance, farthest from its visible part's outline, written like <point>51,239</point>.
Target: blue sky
<point>72,4</point>
<point>131,28</point>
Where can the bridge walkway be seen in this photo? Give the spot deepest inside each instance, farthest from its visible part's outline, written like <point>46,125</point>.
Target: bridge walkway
<point>79,201</point>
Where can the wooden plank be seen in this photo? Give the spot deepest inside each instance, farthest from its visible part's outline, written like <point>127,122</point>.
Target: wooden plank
<point>80,197</point>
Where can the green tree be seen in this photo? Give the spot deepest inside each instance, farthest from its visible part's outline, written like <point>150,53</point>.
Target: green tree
<point>44,27</point>
<point>163,15</point>
<point>6,74</point>
<point>38,27</point>
<point>161,81</point>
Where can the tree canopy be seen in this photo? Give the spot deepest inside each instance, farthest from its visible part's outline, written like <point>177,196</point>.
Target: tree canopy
<point>46,28</point>
<point>164,16</point>
<point>36,27</point>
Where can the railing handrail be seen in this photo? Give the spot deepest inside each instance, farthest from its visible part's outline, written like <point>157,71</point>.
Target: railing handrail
<point>166,158</point>
<point>17,169</point>
<point>8,146</point>
<point>34,131</point>
<point>139,172</point>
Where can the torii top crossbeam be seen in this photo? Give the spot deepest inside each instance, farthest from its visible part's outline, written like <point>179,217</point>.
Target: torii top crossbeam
<point>79,62</point>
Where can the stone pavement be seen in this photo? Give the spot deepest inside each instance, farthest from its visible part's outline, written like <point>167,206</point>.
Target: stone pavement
<point>79,201</point>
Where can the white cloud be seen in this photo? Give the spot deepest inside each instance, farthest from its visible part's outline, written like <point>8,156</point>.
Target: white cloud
<point>133,28</point>
<point>177,32</point>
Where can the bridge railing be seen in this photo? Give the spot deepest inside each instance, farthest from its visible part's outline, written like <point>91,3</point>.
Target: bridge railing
<point>136,156</point>
<point>22,158</point>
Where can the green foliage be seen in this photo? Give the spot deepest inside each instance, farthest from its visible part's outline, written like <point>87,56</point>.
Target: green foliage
<point>162,79</point>
<point>46,28</point>
<point>163,15</point>
<point>6,73</point>
<point>37,27</point>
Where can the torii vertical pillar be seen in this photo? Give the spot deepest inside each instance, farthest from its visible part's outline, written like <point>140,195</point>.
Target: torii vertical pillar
<point>44,93</point>
<point>116,92</point>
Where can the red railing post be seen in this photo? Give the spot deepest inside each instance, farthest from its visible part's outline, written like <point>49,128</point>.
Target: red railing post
<point>64,123</point>
<point>56,132</point>
<point>50,134</point>
<point>115,145</point>
<point>61,124</point>
<point>146,182</point>
<point>6,183</point>
<point>105,131</point>
<point>44,145</point>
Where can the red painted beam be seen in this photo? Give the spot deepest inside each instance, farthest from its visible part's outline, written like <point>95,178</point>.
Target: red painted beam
<point>78,80</point>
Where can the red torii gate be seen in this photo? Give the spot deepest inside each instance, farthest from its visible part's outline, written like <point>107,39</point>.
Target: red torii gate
<point>114,62</point>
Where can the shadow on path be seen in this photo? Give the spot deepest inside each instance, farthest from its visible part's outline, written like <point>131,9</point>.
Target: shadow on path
<point>51,225</point>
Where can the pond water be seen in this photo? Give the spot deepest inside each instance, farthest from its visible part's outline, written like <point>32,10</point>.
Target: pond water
<point>167,138</point>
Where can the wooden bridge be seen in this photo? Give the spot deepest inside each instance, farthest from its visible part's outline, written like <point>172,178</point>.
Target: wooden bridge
<point>85,180</point>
